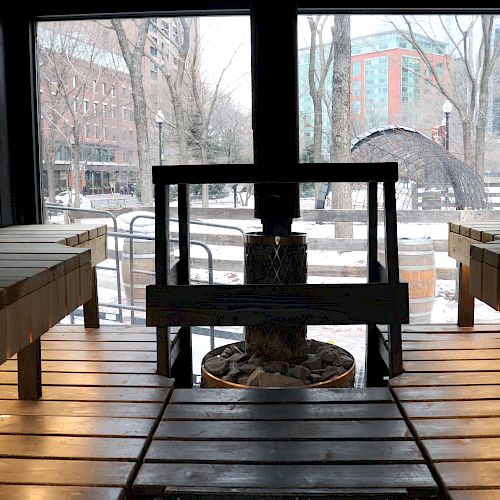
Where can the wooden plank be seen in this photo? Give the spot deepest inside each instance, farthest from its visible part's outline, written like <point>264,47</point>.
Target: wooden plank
<point>55,425</point>
<point>238,478</point>
<point>20,282</point>
<point>484,474</point>
<point>125,394</point>
<point>65,472</point>
<point>94,379</point>
<point>220,173</point>
<point>452,366</point>
<point>80,448</point>
<point>64,355</point>
<point>459,354</point>
<point>282,411</point>
<point>437,329</point>
<point>263,396</point>
<point>457,427</point>
<point>459,247</point>
<point>257,304</point>
<point>452,450</point>
<point>457,393</point>
<point>275,430</point>
<point>493,343</point>
<point>445,379</point>
<point>45,248</point>
<point>80,408</point>
<point>30,371</point>
<point>440,409</point>
<point>89,366</point>
<point>94,345</point>
<point>92,335</point>
<point>22,492</point>
<point>98,247</point>
<point>316,452</point>
<point>474,494</point>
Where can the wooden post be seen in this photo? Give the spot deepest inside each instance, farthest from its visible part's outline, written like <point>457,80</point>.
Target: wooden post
<point>465,299</point>
<point>91,307</point>
<point>29,371</point>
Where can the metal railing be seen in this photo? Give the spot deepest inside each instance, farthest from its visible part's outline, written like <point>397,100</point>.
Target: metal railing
<point>131,235</point>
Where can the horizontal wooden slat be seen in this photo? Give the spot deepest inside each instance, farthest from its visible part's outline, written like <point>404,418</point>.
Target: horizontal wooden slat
<point>475,494</point>
<point>459,354</point>
<point>457,427</point>
<point>440,409</point>
<point>283,412</point>
<point>221,173</point>
<point>269,478</point>
<point>445,379</point>
<point>99,346</point>
<point>80,448</point>
<point>479,475</point>
<point>446,393</point>
<point>22,492</point>
<point>126,394</point>
<point>445,450</point>
<point>283,452</point>
<point>90,366</point>
<point>264,396</point>
<point>75,426</point>
<point>80,408</point>
<point>64,472</point>
<point>272,430</point>
<point>265,304</point>
<point>482,365</point>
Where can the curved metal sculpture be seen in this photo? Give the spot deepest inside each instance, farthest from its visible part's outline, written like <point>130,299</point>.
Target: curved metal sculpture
<point>443,180</point>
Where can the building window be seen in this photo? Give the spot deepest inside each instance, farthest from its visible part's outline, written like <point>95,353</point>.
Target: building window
<point>356,88</point>
<point>356,69</point>
<point>96,108</point>
<point>85,106</point>
<point>75,81</point>
<point>356,107</point>
<point>94,86</point>
<point>113,91</point>
<point>103,87</point>
<point>153,51</point>
<point>123,113</point>
<point>104,109</point>
<point>113,111</point>
<point>87,131</point>
<point>96,132</point>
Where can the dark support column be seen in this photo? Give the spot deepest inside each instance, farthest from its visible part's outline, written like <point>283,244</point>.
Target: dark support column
<point>182,367</point>
<point>162,263</point>
<point>375,366</point>
<point>275,110</point>
<point>29,371</point>
<point>465,299</point>
<point>91,307</point>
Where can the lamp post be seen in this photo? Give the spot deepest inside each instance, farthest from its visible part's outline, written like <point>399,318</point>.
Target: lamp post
<point>447,107</point>
<point>160,118</point>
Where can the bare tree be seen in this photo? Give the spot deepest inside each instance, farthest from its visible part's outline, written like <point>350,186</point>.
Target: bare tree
<point>469,77</point>
<point>132,48</point>
<point>340,146</point>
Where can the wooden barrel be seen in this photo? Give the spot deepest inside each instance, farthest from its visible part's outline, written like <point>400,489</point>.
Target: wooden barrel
<point>417,267</point>
<point>141,256</point>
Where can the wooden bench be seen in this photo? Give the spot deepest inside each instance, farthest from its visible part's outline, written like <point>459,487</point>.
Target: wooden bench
<point>45,273</point>
<point>476,247</point>
<point>286,443</point>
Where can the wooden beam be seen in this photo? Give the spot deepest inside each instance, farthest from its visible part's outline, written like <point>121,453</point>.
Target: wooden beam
<point>316,172</point>
<point>264,304</point>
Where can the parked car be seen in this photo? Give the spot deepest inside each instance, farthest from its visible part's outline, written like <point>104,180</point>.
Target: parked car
<point>64,199</point>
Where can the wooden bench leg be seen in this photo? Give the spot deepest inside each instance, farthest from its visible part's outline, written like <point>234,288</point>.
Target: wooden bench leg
<point>29,371</point>
<point>465,299</point>
<point>376,368</point>
<point>91,307</point>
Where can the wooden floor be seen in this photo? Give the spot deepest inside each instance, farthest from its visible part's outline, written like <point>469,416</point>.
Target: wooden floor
<point>450,394</point>
<point>91,436</point>
<point>86,437</point>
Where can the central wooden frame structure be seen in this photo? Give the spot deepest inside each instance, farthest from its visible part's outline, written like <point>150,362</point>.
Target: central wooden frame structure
<point>173,302</point>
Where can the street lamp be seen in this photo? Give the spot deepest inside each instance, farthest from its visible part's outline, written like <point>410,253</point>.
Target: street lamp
<point>159,118</point>
<point>447,107</point>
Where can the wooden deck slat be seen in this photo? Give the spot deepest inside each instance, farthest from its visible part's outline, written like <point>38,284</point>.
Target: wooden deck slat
<point>22,492</point>
<point>93,379</point>
<point>443,409</point>
<point>446,393</point>
<point>89,366</point>
<point>269,478</point>
<point>99,346</point>
<point>67,355</point>
<point>445,379</point>
<point>449,355</point>
<point>469,365</point>
<point>485,474</point>
<point>283,452</point>
<point>79,448</point>
<point>446,450</point>
<point>272,430</point>
<point>283,412</point>
<point>475,494</point>
<point>65,472</point>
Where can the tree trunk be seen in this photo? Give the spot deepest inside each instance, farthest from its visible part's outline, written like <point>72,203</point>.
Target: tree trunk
<point>340,151</point>
<point>133,59</point>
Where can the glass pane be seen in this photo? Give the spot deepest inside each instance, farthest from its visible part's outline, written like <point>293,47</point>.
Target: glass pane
<point>389,105</point>
<point>118,96</point>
